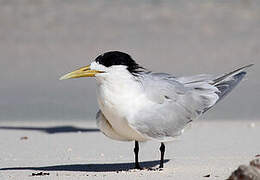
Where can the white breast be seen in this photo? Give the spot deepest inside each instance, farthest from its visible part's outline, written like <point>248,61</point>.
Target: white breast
<point>119,98</point>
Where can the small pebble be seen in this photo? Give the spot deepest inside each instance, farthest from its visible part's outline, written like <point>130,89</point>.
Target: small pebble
<point>24,138</point>
<point>40,174</point>
<point>207,176</point>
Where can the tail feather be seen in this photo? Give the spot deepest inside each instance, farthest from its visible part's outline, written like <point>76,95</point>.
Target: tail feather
<point>208,86</point>
<point>231,74</point>
<point>226,87</point>
<point>226,83</point>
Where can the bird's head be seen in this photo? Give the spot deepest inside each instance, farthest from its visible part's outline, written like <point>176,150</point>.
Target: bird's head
<point>105,63</point>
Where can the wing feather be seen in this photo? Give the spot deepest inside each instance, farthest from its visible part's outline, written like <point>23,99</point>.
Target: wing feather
<point>175,104</point>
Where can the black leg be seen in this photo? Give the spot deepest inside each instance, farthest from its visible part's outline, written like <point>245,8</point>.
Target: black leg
<point>162,149</point>
<point>136,150</point>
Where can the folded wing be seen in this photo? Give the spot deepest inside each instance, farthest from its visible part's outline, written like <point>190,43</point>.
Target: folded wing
<point>178,101</point>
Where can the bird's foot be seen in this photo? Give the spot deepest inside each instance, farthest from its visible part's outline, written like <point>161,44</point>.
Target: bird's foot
<point>160,169</point>
<point>137,166</point>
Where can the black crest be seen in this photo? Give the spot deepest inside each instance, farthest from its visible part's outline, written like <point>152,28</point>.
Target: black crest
<point>119,58</point>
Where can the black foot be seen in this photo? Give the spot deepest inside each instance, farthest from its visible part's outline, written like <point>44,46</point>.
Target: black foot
<point>162,149</point>
<point>138,167</point>
<point>136,151</point>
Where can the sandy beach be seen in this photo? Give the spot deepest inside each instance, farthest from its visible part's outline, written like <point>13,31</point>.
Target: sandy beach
<point>77,150</point>
<point>42,40</point>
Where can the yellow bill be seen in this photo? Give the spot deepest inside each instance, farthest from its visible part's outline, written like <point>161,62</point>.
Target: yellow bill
<point>82,72</point>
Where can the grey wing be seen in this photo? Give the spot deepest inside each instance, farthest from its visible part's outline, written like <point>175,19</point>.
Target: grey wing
<point>174,105</point>
<point>178,101</point>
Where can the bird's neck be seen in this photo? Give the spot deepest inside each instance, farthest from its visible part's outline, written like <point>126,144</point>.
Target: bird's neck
<point>118,80</point>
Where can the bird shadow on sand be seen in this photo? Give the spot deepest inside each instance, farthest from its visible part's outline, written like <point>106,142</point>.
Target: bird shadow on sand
<point>113,167</point>
<point>51,130</point>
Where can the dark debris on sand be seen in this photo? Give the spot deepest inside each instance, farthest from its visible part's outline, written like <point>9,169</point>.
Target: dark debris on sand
<point>251,172</point>
<point>207,176</point>
<point>40,174</point>
<point>24,138</point>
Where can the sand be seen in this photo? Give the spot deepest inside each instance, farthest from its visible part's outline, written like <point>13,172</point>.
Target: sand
<point>77,150</point>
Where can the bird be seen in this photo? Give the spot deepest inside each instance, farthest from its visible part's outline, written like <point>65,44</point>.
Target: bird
<point>140,105</point>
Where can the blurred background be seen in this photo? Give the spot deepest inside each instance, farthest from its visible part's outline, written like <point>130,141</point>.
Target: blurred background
<point>40,40</point>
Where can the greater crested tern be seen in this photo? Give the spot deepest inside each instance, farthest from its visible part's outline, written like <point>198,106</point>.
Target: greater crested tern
<point>139,105</point>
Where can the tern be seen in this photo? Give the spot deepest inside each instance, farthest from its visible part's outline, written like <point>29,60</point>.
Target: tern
<point>139,105</point>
